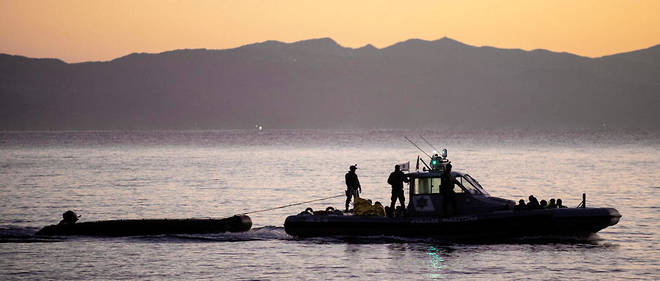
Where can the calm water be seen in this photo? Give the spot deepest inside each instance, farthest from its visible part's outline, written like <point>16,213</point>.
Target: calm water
<point>111,175</point>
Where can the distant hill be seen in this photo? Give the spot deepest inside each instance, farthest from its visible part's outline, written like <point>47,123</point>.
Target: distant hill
<point>320,84</point>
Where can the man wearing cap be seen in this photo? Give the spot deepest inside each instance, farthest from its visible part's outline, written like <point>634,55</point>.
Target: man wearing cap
<point>353,187</point>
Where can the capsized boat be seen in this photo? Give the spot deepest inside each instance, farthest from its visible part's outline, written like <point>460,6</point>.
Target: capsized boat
<point>133,227</point>
<point>475,214</point>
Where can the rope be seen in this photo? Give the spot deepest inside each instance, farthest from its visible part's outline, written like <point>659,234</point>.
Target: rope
<point>294,204</point>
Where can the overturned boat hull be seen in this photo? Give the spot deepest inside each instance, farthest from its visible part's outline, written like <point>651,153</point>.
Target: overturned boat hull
<point>498,224</point>
<point>236,223</point>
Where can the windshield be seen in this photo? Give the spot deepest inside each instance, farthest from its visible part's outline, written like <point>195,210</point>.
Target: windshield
<point>467,185</point>
<point>475,184</point>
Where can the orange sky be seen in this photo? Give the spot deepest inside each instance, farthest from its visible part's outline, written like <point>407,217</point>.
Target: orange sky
<point>87,30</point>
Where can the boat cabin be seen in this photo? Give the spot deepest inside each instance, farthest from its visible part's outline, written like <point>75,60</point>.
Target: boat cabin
<point>427,200</point>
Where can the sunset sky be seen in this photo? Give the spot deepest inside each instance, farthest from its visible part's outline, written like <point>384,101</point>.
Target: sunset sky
<point>86,30</point>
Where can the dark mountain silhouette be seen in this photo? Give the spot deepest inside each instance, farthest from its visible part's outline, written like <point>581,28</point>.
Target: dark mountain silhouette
<point>320,84</point>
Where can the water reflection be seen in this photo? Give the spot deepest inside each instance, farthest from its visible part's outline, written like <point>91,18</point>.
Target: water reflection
<point>435,262</point>
<point>112,175</point>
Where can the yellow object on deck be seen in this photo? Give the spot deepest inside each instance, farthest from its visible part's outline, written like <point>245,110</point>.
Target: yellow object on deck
<point>364,208</point>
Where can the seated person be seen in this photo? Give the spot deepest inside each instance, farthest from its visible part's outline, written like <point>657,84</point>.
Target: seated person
<point>521,205</point>
<point>544,204</point>
<point>551,204</point>
<point>533,203</point>
<point>68,218</point>
<point>559,204</point>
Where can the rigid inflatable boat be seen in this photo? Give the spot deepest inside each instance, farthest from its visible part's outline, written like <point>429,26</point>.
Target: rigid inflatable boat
<point>473,214</point>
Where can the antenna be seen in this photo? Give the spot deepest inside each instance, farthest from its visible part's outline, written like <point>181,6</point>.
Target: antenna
<point>427,142</point>
<point>427,166</point>
<point>417,147</point>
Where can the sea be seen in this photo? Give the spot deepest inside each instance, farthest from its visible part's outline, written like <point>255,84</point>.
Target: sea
<point>106,175</point>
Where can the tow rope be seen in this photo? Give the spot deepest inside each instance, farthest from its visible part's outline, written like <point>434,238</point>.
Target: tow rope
<point>294,204</point>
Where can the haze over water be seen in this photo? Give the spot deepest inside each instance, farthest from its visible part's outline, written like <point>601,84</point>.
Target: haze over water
<point>180,174</point>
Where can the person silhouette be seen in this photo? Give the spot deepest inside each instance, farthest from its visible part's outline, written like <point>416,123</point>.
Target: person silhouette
<point>447,191</point>
<point>353,187</point>
<point>396,180</point>
<point>533,203</point>
<point>560,204</point>
<point>68,218</point>
<point>521,205</point>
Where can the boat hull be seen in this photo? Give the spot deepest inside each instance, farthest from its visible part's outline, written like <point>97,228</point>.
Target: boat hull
<point>499,224</point>
<point>236,223</point>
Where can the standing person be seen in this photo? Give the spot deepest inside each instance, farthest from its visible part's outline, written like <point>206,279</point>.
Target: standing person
<point>353,187</point>
<point>396,180</point>
<point>447,191</point>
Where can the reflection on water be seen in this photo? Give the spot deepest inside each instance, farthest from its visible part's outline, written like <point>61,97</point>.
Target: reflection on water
<point>112,175</point>
<point>435,262</point>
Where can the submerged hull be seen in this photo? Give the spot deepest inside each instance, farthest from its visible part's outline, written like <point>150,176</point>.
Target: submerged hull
<point>150,227</point>
<point>499,224</point>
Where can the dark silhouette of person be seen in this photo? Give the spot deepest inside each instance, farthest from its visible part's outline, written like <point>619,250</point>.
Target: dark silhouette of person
<point>552,204</point>
<point>521,205</point>
<point>353,187</point>
<point>559,204</point>
<point>68,218</point>
<point>447,191</point>
<point>544,204</point>
<point>533,203</point>
<point>396,180</point>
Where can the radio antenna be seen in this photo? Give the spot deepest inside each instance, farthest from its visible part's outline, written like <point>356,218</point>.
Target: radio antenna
<point>427,166</point>
<point>427,142</point>
<point>417,147</point>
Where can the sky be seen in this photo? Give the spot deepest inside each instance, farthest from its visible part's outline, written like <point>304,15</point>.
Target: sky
<point>100,30</point>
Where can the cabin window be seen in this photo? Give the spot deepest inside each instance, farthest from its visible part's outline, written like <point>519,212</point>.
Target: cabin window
<point>476,184</point>
<point>467,185</point>
<point>457,188</point>
<point>426,186</point>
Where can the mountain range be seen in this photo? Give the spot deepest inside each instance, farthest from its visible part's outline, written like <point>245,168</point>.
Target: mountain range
<point>415,84</point>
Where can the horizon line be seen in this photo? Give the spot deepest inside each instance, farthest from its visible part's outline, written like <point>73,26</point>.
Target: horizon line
<point>323,38</point>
